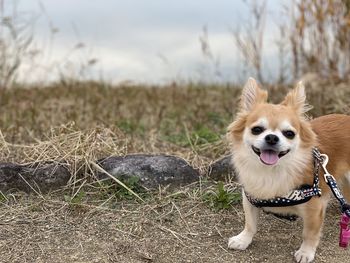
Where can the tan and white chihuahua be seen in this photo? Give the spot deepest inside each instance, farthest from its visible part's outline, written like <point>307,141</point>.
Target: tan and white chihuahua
<point>272,154</point>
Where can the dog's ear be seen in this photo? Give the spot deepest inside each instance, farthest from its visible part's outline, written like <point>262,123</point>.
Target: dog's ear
<point>297,99</point>
<point>252,95</point>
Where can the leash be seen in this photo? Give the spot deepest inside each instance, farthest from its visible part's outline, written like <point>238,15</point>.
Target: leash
<point>344,236</point>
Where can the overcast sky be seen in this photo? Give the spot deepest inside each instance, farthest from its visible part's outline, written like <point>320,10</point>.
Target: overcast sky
<point>153,41</point>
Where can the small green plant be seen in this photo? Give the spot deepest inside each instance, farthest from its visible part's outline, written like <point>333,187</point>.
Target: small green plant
<point>204,135</point>
<point>133,182</point>
<point>198,136</point>
<point>221,198</point>
<point>77,199</point>
<point>3,198</point>
<point>130,127</point>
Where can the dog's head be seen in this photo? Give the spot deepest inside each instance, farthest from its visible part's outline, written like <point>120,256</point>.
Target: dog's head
<point>271,134</point>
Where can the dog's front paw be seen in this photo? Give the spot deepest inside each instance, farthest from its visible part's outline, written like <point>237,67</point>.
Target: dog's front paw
<point>304,256</point>
<point>240,242</point>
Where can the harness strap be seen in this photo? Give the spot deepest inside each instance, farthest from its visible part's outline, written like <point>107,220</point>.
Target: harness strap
<point>296,197</point>
<point>289,217</point>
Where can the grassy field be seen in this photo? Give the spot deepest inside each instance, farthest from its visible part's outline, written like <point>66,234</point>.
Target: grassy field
<point>191,118</point>
<point>181,117</point>
<point>81,122</point>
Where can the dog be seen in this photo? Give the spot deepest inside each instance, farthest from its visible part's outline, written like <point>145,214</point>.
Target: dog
<point>272,147</point>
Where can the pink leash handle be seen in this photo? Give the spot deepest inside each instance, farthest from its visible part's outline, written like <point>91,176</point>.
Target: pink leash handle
<point>344,236</point>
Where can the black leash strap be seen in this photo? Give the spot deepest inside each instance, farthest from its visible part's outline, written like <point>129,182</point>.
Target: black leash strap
<point>345,207</point>
<point>331,182</point>
<point>344,235</point>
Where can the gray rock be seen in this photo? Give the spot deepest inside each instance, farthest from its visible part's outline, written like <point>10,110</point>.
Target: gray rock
<point>43,177</point>
<point>221,169</point>
<point>153,170</point>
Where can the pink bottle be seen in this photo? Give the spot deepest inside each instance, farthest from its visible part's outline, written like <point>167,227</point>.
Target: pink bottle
<point>344,236</point>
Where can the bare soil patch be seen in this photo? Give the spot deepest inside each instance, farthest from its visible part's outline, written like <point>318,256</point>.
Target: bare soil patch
<point>173,228</point>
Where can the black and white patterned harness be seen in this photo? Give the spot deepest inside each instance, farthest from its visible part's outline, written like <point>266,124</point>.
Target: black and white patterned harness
<point>298,196</point>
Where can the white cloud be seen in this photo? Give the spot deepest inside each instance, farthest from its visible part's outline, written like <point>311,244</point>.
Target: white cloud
<point>149,41</point>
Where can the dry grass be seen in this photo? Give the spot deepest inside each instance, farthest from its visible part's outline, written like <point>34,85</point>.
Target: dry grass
<point>167,228</point>
<point>80,123</point>
<point>89,222</point>
<point>85,122</point>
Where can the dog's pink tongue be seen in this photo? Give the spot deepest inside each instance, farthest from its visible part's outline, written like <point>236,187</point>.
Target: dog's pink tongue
<point>269,157</point>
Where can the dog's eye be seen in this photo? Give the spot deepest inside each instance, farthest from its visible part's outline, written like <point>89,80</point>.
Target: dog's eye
<point>257,130</point>
<point>289,134</point>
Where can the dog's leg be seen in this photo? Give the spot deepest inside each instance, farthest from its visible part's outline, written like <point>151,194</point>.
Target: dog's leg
<point>243,240</point>
<point>313,216</point>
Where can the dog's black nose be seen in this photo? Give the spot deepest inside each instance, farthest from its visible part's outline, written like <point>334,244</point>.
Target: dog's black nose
<point>271,139</point>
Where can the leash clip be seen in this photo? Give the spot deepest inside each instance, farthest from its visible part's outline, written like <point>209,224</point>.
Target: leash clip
<point>344,235</point>
<point>324,163</point>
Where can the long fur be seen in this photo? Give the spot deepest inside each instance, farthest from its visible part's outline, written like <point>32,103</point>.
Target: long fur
<point>329,133</point>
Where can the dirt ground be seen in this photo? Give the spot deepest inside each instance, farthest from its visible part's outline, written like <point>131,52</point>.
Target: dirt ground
<point>167,229</point>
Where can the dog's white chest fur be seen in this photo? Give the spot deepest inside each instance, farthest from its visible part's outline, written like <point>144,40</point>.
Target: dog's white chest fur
<point>263,181</point>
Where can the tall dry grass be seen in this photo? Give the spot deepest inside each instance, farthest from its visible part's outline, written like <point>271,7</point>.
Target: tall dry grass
<point>319,33</point>
<point>313,36</point>
<point>189,121</point>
